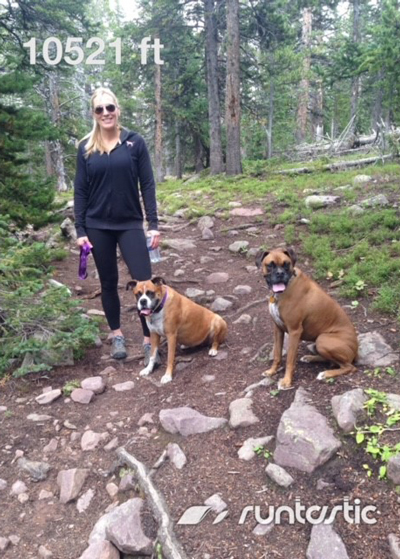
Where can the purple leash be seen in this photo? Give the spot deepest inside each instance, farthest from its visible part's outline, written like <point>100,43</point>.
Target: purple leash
<point>85,251</point>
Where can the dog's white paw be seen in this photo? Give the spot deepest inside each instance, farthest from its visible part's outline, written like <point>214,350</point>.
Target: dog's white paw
<point>322,376</point>
<point>146,372</point>
<point>166,378</point>
<point>282,387</point>
<point>306,359</point>
<point>213,352</point>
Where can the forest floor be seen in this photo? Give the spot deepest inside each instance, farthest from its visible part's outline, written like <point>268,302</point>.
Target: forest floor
<point>208,385</point>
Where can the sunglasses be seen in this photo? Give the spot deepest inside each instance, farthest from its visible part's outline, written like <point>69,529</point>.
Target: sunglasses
<point>100,109</point>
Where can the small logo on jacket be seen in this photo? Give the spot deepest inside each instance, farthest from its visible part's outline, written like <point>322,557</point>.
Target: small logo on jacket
<point>130,144</point>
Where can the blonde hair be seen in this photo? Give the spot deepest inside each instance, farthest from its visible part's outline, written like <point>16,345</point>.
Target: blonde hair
<point>94,137</point>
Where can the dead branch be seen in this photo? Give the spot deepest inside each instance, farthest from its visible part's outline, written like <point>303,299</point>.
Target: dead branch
<point>246,307</point>
<point>170,545</point>
<point>340,165</point>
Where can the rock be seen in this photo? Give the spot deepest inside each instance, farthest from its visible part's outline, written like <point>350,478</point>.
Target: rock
<point>316,202</point>
<point>208,378</point>
<point>263,529</point>
<point>242,290</point>
<point>180,244</point>
<point>39,418</point>
<point>18,487</point>
<point>246,451</point>
<point>147,418</point>
<point>321,484</point>
<point>393,469</point>
<point>394,545</point>
<point>44,494</point>
<point>187,421</point>
<point>176,455</point>
<point>348,407</point>
<point>325,543</point>
<point>84,500</point>
<point>101,550</point>
<point>216,503</point>
<point>14,539</point>
<point>124,386</point>
<point>217,277</point>
<point>205,222</point>
<point>82,396</point>
<point>68,425</point>
<point>122,526</point>
<point>90,440</point>
<point>3,409</point>
<point>279,475</point>
<point>68,229</point>
<point>207,234</point>
<point>194,293</point>
<point>127,483</point>
<point>48,397</point>
<point>265,382</point>
<point>247,212</point>
<point>379,200</point>
<point>355,210</point>
<point>241,414</point>
<point>304,439</point>
<point>206,260</point>
<point>179,273</point>
<point>239,246</point>
<point>108,371</point>
<point>252,269</point>
<point>373,351</point>
<point>361,179</point>
<point>23,498</point>
<point>394,401</point>
<point>44,552</point>
<point>112,445</point>
<point>37,470</point>
<point>221,355</point>
<point>70,483</point>
<point>243,319</point>
<point>4,543</point>
<point>112,489</point>
<point>95,312</point>
<point>220,304</point>
<point>51,447</point>
<point>94,384</point>
<point>3,484</point>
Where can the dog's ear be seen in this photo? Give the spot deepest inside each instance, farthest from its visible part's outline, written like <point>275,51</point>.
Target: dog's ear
<point>131,285</point>
<point>292,255</point>
<point>158,281</point>
<point>260,257</point>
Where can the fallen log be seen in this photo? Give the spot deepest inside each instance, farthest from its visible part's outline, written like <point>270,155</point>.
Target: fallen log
<point>339,166</point>
<point>171,548</point>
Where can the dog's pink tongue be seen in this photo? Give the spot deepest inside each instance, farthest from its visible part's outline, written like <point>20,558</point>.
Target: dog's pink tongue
<point>146,312</point>
<point>278,287</point>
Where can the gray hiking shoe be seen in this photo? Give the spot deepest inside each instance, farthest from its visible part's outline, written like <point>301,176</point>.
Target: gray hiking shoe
<point>147,352</point>
<point>118,348</point>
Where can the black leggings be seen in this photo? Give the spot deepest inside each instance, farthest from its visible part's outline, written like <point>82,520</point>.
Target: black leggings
<point>132,243</point>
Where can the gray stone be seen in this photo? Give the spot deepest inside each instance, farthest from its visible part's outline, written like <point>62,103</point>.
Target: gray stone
<point>3,484</point>
<point>247,452</point>
<point>263,529</point>
<point>304,439</point>
<point>44,494</point>
<point>194,293</point>
<point>176,455</point>
<point>206,222</point>
<point>220,304</point>
<point>51,447</point>
<point>251,269</point>
<point>373,351</point>
<point>18,488</point>
<point>112,489</point>
<point>108,371</point>
<point>394,401</point>
<point>207,234</point>
<point>122,526</point>
<point>379,200</point>
<point>393,469</point>
<point>355,210</point>
<point>239,246</point>
<point>124,386</point>
<point>147,418</point>
<point>127,483</point>
<point>242,290</point>
<point>3,409</point>
<point>82,396</point>
<point>4,543</point>
<point>279,475</point>
<point>101,550</point>
<point>348,408</point>
<point>68,229</point>
<point>70,483</point>
<point>325,543</point>
<point>264,383</point>
<point>216,503</point>
<point>394,546</point>
<point>247,212</point>
<point>39,418</point>
<point>206,260</point>
<point>14,539</point>
<point>361,179</point>
<point>217,277</point>
<point>90,440</point>
<point>48,397</point>
<point>37,470</point>
<point>45,553</point>
<point>316,202</point>
<point>241,414</point>
<point>187,421</point>
<point>112,445</point>
<point>94,384</point>
<point>180,244</point>
<point>243,319</point>
<point>84,500</point>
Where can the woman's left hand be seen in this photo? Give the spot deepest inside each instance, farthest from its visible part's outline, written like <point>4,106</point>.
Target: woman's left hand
<point>155,238</point>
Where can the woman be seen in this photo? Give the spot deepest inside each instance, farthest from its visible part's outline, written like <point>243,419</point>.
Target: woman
<point>110,162</point>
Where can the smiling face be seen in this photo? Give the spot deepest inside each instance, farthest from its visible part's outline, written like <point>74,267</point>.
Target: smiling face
<point>277,268</point>
<point>107,119</point>
<point>149,294</point>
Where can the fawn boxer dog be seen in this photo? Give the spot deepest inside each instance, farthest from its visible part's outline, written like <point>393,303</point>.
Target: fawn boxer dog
<point>178,318</point>
<point>299,307</point>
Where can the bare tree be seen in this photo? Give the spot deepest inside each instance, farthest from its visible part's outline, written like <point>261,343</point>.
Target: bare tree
<point>304,94</point>
<point>158,144</point>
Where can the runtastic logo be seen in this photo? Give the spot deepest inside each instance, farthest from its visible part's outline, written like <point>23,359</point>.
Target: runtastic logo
<point>315,514</point>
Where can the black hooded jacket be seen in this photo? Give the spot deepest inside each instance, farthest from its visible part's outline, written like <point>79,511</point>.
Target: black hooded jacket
<point>106,187</point>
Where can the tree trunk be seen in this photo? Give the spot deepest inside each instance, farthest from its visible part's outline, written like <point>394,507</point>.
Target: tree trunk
<point>270,117</point>
<point>304,93</point>
<point>199,153</point>
<point>214,116</point>
<point>56,148</point>
<point>355,83</point>
<point>178,152</point>
<point>233,155</point>
<point>159,169</point>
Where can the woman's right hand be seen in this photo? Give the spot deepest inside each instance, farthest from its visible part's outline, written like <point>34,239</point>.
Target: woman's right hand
<point>80,241</point>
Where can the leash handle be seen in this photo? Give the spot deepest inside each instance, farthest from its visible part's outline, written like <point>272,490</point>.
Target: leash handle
<point>83,257</point>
